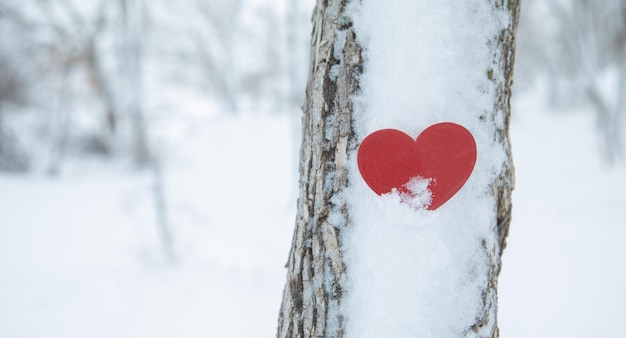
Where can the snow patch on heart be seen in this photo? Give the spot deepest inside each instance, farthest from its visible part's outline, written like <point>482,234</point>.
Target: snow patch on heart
<point>415,193</point>
<point>426,172</point>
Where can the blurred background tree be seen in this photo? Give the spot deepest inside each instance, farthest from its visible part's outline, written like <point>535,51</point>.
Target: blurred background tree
<point>577,49</point>
<point>89,78</point>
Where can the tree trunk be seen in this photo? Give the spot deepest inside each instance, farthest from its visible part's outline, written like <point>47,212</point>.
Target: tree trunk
<point>132,12</point>
<point>317,272</point>
<point>316,268</point>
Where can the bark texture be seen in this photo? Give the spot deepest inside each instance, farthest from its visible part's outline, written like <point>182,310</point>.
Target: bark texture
<point>502,187</point>
<point>316,270</point>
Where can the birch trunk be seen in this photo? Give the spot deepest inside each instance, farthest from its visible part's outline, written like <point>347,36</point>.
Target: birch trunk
<point>315,287</point>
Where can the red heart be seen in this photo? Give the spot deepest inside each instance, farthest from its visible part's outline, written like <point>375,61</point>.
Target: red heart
<point>445,153</point>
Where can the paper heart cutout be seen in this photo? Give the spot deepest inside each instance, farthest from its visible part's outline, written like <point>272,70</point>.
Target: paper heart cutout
<point>444,153</point>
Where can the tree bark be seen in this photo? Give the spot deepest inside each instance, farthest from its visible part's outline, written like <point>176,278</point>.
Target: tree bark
<point>502,187</point>
<point>316,269</point>
<point>315,288</point>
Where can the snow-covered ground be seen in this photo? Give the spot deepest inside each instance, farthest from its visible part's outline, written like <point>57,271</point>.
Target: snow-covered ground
<point>80,254</point>
<point>563,270</point>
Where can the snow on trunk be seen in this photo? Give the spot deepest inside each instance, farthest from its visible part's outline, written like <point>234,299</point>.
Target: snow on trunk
<point>364,265</point>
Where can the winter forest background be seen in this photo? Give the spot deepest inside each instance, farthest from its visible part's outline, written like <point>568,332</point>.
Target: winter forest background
<point>148,167</point>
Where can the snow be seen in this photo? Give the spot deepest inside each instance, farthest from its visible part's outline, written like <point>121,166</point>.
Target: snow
<point>419,196</point>
<point>80,254</point>
<point>417,273</point>
<point>563,271</point>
